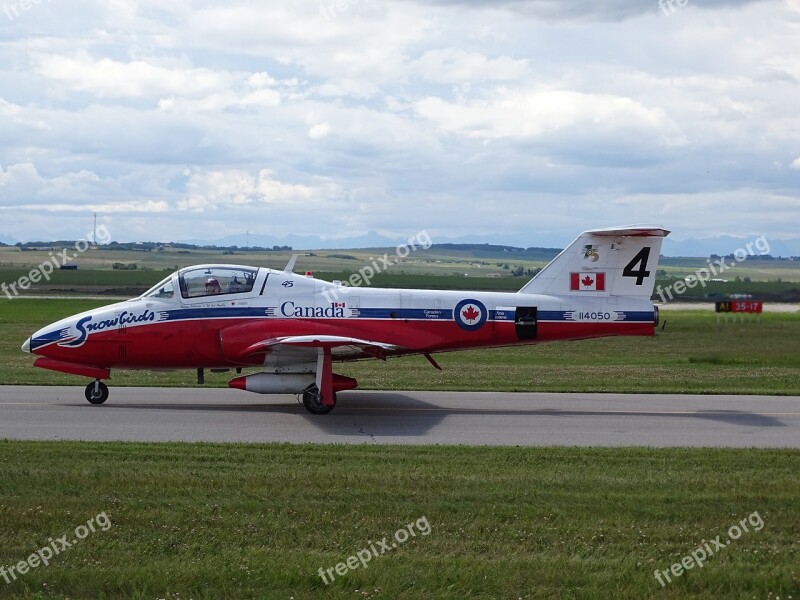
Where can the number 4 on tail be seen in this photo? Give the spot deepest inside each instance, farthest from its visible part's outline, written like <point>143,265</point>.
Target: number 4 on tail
<point>640,260</point>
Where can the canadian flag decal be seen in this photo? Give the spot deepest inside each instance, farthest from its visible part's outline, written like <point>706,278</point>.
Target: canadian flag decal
<point>587,282</point>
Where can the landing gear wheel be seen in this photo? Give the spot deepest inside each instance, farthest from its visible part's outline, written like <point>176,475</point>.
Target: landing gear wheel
<point>96,392</point>
<point>313,403</point>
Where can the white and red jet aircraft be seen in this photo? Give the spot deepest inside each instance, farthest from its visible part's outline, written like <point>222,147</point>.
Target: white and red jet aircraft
<point>294,327</point>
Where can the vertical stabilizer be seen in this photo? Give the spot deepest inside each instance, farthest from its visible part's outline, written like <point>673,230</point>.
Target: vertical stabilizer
<point>619,261</point>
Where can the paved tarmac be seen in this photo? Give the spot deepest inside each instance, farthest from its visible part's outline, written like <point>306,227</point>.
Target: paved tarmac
<point>365,417</point>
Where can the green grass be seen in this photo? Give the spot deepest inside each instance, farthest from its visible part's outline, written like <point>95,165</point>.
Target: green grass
<point>773,291</point>
<point>430,262</point>
<point>83,278</point>
<point>770,280</point>
<point>132,283</point>
<point>695,354</point>
<point>243,521</point>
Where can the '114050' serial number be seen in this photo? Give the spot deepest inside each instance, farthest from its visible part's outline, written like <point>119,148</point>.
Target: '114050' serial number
<point>594,316</point>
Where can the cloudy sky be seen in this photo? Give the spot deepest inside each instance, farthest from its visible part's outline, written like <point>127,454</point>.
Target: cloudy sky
<point>516,121</point>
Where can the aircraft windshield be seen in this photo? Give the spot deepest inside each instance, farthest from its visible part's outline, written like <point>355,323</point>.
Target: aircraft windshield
<point>163,289</point>
<point>215,281</point>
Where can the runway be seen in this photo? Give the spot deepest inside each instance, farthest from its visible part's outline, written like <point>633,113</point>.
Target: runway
<point>365,417</point>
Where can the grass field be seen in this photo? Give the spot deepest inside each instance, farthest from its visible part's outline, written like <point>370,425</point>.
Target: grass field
<point>477,268</point>
<point>695,354</point>
<point>234,521</point>
<point>430,262</point>
<point>436,260</point>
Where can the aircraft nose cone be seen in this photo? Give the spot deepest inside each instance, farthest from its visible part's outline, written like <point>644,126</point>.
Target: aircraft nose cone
<point>26,347</point>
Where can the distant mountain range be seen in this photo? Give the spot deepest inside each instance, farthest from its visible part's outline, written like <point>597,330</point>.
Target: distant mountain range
<point>727,244</point>
<point>702,247</point>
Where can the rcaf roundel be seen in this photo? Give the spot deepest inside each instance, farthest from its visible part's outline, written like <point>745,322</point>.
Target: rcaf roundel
<point>470,314</point>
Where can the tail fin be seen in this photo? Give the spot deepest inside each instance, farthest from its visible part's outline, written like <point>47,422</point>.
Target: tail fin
<point>620,261</point>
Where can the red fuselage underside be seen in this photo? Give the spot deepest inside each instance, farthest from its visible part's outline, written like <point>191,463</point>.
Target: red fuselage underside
<point>222,342</point>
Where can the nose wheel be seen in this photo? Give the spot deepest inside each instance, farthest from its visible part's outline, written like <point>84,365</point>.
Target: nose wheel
<point>96,392</point>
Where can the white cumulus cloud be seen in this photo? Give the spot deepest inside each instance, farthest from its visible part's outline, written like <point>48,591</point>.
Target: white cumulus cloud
<point>223,189</point>
<point>322,130</point>
<point>106,77</point>
<point>509,113</point>
<point>457,66</point>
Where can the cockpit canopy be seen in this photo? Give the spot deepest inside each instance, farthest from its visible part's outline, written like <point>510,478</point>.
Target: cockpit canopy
<point>206,281</point>
<point>212,281</point>
<point>163,289</point>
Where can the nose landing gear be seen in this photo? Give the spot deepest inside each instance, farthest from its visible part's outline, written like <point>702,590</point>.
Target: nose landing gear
<point>96,392</point>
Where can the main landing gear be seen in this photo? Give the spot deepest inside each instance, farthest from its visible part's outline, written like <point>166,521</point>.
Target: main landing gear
<point>96,392</point>
<point>319,397</point>
<point>313,402</point>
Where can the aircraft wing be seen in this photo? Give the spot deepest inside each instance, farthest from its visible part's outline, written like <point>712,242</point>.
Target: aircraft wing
<point>299,349</point>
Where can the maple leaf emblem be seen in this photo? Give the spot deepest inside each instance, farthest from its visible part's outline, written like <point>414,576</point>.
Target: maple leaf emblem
<point>587,281</point>
<point>470,314</point>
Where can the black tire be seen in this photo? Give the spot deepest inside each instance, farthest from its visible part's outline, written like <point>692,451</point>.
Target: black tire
<point>312,402</point>
<point>96,392</point>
